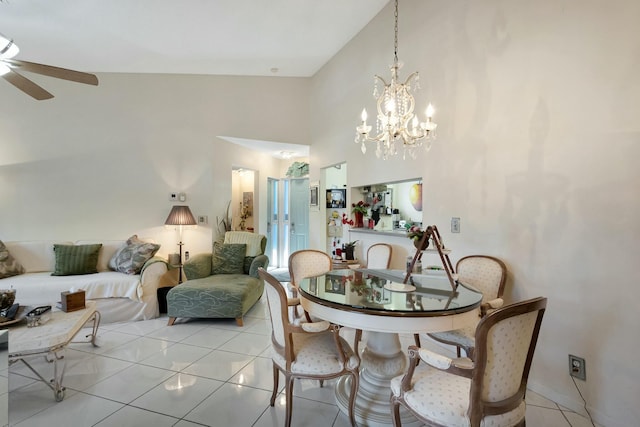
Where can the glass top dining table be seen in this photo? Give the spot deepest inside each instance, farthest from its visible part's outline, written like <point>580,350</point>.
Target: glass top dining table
<point>382,293</point>
<point>377,301</point>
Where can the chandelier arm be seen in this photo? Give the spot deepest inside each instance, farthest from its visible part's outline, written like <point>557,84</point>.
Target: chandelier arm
<point>412,76</point>
<point>381,79</point>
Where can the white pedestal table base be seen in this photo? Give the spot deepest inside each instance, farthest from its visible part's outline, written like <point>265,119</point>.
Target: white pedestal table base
<point>382,360</point>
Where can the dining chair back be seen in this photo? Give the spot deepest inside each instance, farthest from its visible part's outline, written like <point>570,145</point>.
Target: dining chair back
<point>485,273</point>
<point>307,263</point>
<point>300,349</point>
<point>488,390</point>
<point>379,255</point>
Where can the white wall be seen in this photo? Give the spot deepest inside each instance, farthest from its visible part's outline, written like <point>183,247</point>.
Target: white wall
<point>537,105</point>
<point>99,162</point>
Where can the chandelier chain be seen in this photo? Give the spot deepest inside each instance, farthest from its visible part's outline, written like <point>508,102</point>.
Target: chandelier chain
<point>395,39</point>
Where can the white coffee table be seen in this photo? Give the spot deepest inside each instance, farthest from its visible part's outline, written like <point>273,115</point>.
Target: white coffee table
<point>50,339</point>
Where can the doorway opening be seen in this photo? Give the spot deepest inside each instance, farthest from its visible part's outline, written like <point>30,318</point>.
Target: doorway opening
<point>288,218</point>
<point>243,205</point>
<point>335,184</point>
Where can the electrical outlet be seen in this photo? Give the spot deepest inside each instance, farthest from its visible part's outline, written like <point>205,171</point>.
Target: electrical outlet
<point>455,225</point>
<point>173,197</point>
<point>203,219</point>
<point>577,367</point>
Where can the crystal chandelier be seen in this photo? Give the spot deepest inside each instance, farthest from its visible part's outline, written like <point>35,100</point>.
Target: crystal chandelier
<point>396,121</point>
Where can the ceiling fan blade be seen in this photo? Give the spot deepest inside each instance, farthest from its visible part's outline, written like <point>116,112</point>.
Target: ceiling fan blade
<point>57,72</point>
<point>27,86</point>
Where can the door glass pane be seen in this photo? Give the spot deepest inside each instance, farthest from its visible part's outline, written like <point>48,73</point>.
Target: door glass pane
<point>299,214</point>
<point>285,199</point>
<point>272,222</point>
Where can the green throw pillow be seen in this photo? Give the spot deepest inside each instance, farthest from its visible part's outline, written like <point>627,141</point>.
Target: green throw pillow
<point>247,264</point>
<point>9,266</point>
<point>198,266</point>
<point>228,258</point>
<point>76,259</point>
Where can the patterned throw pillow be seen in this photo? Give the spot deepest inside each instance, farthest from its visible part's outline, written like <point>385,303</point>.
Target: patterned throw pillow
<point>228,258</point>
<point>131,258</point>
<point>76,259</point>
<point>9,266</point>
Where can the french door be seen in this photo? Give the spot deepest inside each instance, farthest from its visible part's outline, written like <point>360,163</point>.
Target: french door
<point>288,221</point>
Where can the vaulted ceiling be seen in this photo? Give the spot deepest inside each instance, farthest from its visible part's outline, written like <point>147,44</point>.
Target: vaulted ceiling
<point>221,37</point>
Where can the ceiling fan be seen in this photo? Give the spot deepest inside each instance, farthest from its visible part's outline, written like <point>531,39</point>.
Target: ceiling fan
<point>9,67</point>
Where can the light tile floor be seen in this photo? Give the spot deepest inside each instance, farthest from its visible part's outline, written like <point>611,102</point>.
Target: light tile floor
<point>198,373</point>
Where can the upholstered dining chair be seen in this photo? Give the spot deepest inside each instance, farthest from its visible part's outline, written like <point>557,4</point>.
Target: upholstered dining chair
<point>488,275</point>
<point>489,390</point>
<point>306,263</point>
<point>302,349</point>
<point>379,255</point>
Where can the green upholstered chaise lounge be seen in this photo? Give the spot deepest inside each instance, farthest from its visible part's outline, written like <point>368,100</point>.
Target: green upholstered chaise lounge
<point>222,284</point>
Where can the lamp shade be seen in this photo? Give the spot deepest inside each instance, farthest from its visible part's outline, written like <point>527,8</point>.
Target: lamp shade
<point>180,215</point>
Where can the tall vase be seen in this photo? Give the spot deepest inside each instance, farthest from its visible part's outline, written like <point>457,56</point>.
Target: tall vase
<point>359,220</point>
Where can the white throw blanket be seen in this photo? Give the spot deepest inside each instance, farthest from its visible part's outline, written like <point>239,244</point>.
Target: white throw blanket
<point>43,288</point>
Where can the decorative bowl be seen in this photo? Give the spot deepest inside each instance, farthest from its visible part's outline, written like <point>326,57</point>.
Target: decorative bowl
<point>7,298</point>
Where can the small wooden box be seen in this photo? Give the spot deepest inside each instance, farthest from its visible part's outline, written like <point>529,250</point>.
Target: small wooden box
<point>72,301</point>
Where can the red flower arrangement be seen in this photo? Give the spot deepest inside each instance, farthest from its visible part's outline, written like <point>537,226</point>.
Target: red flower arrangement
<point>361,207</point>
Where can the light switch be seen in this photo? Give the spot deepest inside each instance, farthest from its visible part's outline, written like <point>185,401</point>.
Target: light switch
<point>455,225</point>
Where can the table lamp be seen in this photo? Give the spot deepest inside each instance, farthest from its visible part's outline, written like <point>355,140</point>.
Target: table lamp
<point>180,216</point>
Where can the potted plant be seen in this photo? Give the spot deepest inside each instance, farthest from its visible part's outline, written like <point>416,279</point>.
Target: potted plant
<point>349,249</point>
<point>416,234</point>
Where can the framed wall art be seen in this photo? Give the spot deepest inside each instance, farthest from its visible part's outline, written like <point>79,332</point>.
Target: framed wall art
<point>314,203</point>
<point>337,198</point>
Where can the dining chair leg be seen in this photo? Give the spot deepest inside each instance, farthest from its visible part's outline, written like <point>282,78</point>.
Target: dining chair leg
<point>276,380</point>
<point>468,351</point>
<point>307,316</point>
<point>416,338</point>
<point>356,340</point>
<point>395,411</point>
<point>289,408</point>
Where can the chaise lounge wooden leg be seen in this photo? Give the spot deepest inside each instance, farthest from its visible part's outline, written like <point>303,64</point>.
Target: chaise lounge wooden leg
<point>239,321</point>
<point>172,320</point>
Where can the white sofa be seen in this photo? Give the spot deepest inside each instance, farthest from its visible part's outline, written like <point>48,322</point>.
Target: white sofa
<point>119,296</point>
